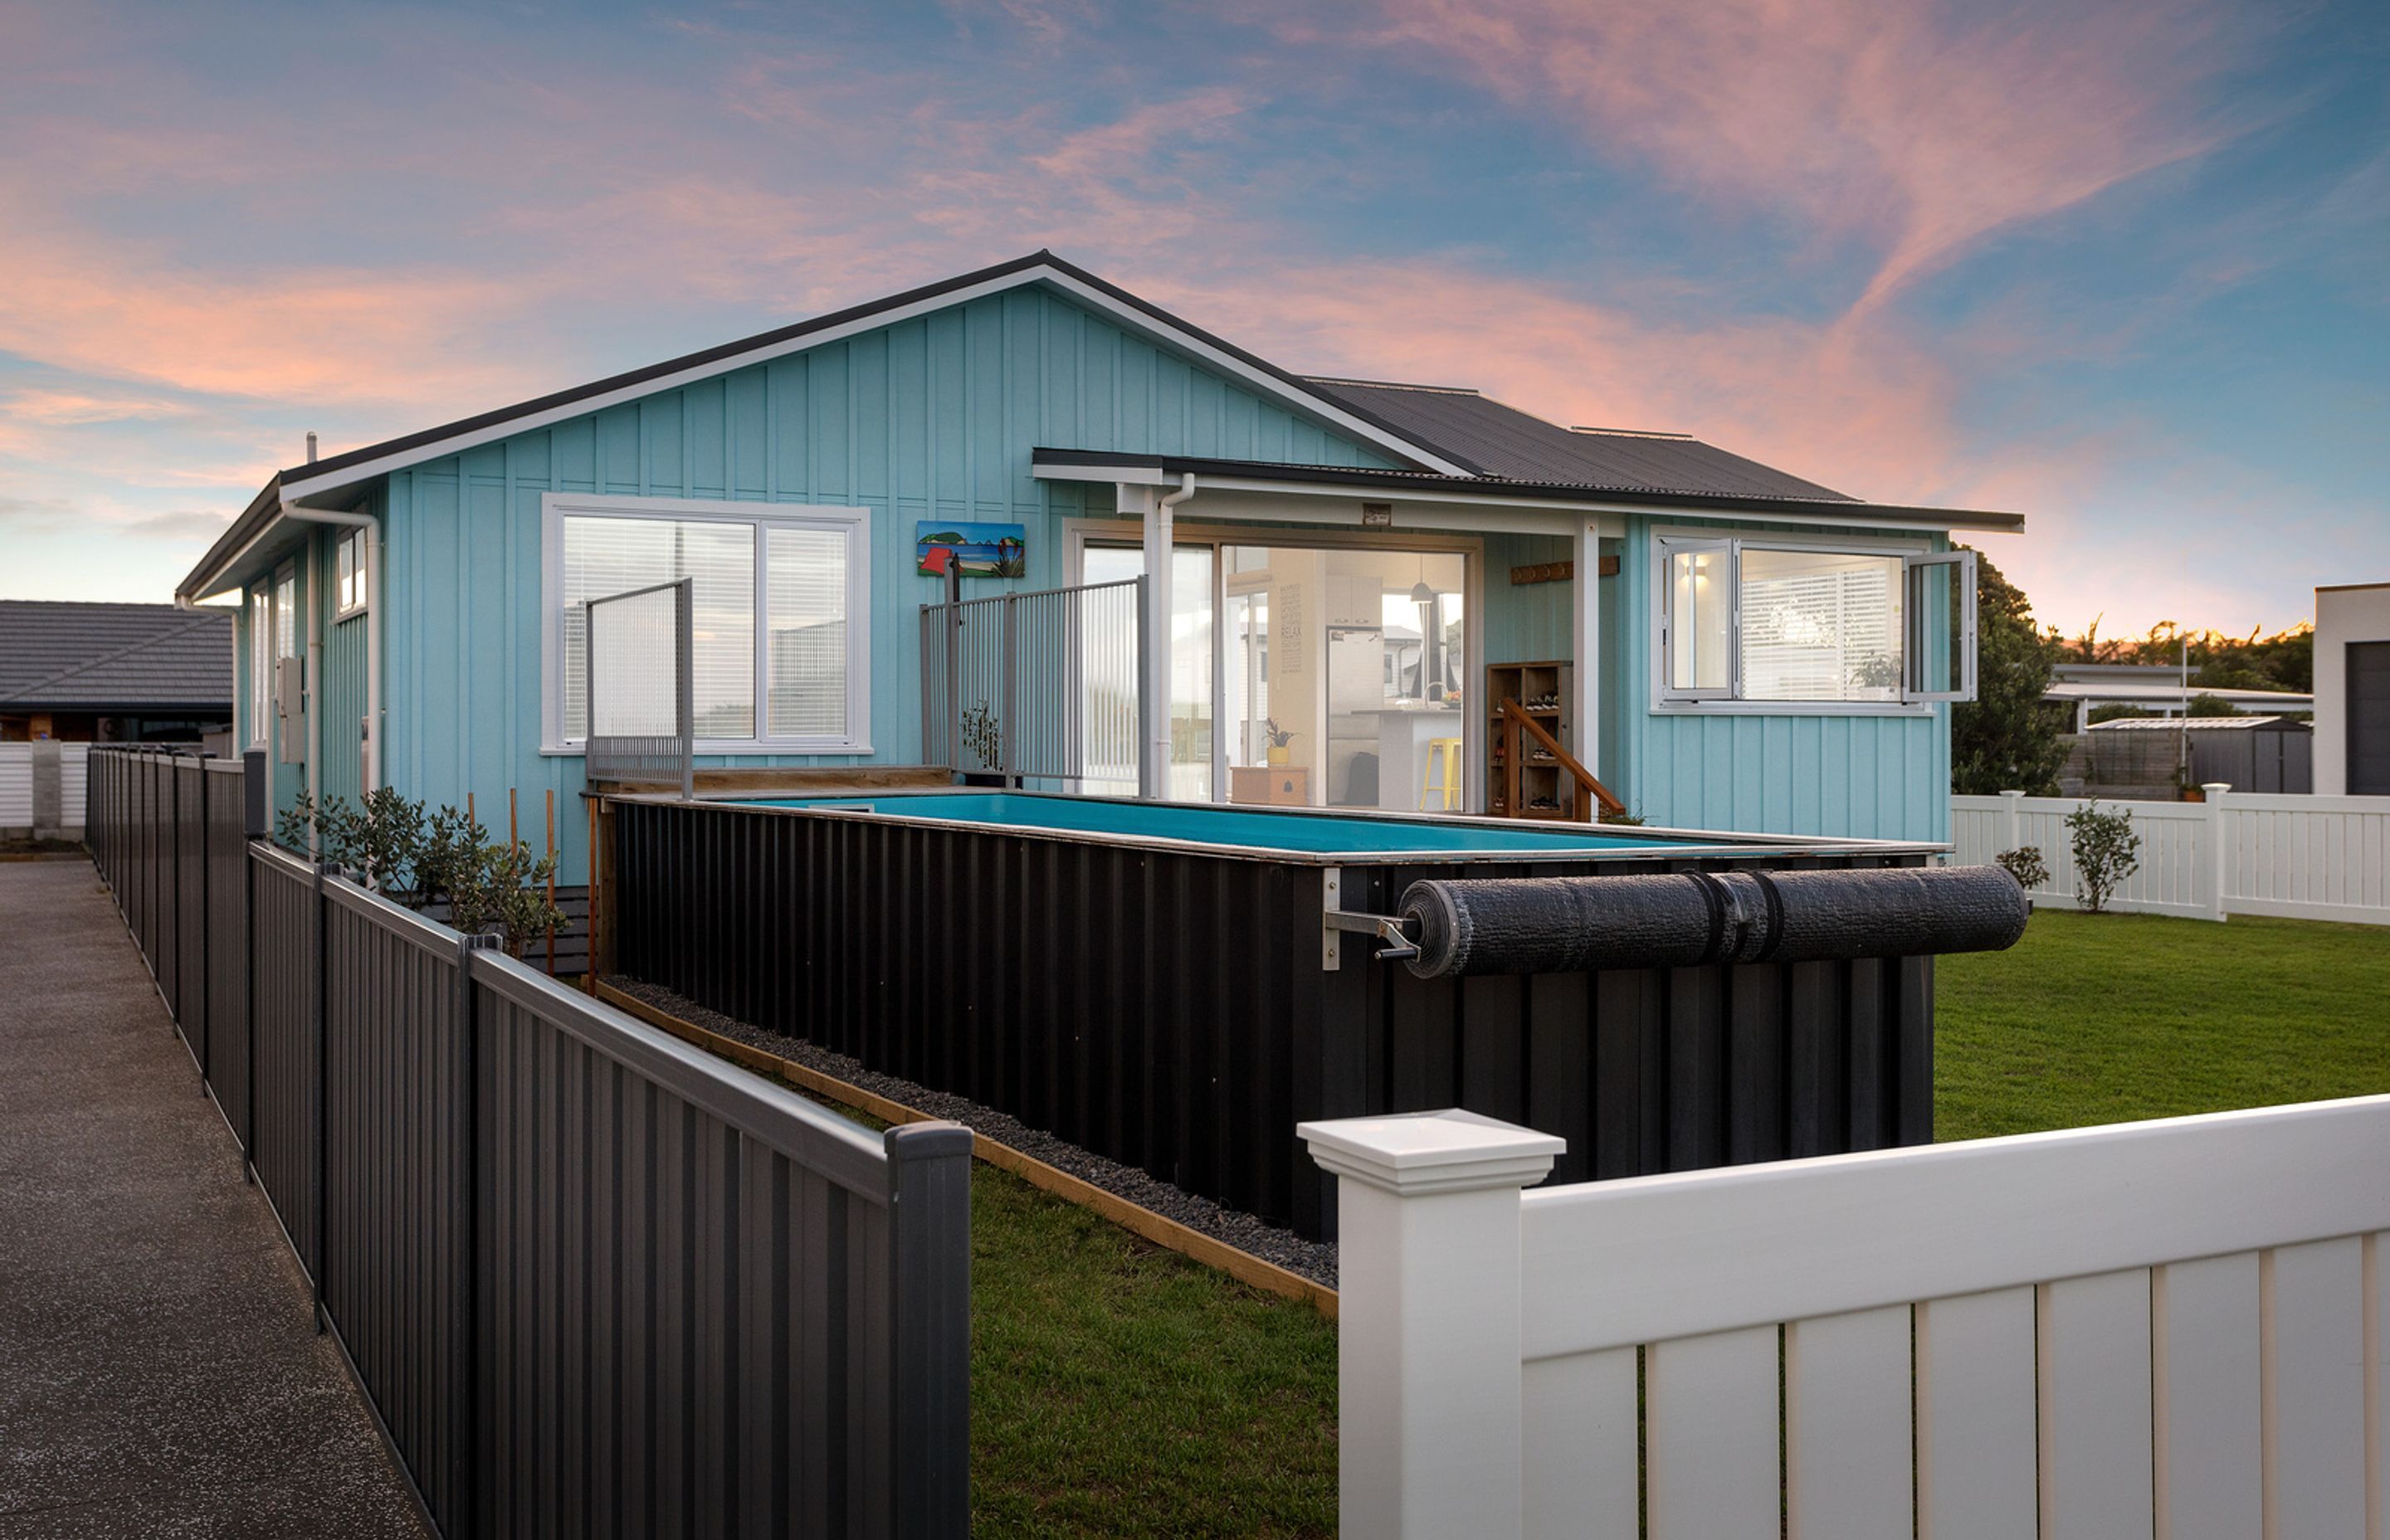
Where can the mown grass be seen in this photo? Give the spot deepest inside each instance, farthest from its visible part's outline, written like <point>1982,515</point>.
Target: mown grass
<point>2111,1018</point>
<point>1118,1389</point>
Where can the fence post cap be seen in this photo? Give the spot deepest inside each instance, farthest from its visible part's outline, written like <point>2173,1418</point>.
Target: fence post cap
<point>2214,790</point>
<point>1412,1154</point>
<point>2005,793</point>
<point>931,1139</point>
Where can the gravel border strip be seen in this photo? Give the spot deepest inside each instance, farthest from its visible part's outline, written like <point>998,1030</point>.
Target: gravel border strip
<point>1315,1259</point>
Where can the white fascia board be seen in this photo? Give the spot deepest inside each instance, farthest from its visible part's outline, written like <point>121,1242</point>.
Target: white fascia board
<point>1121,475</point>
<point>1268,384</point>
<point>1857,514</point>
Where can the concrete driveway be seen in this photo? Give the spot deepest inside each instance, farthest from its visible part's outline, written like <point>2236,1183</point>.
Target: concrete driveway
<point>159,1370</point>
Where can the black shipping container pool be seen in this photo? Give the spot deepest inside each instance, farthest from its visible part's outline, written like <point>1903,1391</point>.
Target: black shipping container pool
<point>1155,983</point>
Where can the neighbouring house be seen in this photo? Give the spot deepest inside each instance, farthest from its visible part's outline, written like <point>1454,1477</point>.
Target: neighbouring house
<point>1726,645</point>
<point>2160,690</point>
<point>2352,690</point>
<point>115,673</point>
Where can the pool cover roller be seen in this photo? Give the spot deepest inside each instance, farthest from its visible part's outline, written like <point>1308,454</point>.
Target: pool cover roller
<point>1688,919</point>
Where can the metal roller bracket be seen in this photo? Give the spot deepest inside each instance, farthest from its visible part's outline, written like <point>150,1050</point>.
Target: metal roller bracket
<point>1335,919</point>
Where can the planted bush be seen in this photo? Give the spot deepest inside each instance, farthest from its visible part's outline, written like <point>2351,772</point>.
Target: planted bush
<point>2025,864</point>
<point>423,860</point>
<point>2107,850</point>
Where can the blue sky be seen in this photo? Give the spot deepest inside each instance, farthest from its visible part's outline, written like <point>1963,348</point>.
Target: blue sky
<point>2119,266</point>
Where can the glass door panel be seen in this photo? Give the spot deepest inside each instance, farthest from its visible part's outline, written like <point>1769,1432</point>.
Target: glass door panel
<point>1191,662</point>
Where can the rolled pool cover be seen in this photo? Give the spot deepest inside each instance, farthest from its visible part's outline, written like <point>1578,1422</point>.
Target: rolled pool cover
<point>1686,919</point>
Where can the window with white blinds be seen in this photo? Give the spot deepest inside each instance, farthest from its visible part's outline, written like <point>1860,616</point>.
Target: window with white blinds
<point>774,664</point>
<point>1820,625</point>
<point>1746,624</point>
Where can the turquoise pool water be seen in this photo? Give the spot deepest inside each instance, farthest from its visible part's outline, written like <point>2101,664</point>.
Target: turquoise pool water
<point>1308,834</point>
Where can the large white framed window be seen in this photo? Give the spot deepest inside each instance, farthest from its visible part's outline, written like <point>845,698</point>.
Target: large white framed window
<point>782,594</point>
<point>1765,624</point>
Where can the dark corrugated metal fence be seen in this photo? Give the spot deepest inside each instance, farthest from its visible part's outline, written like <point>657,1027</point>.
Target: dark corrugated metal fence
<point>592,1280</point>
<point>1169,1009</point>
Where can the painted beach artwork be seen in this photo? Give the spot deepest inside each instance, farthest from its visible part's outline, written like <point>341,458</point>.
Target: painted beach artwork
<point>977,550</point>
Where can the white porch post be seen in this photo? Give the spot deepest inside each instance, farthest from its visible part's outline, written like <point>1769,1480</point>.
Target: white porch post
<point>1429,1380</point>
<point>1153,719</point>
<point>1584,710</point>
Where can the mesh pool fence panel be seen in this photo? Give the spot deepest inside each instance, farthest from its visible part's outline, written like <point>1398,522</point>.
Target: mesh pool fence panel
<point>642,718</point>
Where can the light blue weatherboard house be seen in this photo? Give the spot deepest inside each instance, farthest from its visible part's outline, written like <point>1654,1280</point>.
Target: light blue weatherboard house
<point>1342,563</point>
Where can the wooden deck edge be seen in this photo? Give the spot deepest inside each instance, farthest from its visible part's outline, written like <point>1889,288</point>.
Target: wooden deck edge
<point>1161,1230</point>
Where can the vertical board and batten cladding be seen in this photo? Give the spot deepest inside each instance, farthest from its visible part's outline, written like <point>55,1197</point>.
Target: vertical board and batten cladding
<point>932,418</point>
<point>1882,777</point>
<point>1533,622</point>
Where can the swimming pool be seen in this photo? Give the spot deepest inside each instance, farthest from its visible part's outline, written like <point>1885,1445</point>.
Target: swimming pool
<point>1344,836</point>
<point>1175,987</point>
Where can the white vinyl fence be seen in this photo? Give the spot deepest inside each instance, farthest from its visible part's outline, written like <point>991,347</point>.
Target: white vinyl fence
<point>2175,1330</point>
<point>2236,854</point>
<point>23,801</point>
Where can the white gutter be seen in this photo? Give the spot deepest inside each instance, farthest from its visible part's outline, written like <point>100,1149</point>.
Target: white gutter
<point>371,776</point>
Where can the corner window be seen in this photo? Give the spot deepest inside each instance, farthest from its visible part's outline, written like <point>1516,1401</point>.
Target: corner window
<point>1805,623</point>
<point>261,666</point>
<point>349,562</point>
<point>777,664</point>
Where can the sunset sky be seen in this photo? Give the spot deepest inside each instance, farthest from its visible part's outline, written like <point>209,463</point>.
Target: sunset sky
<point>2121,265</point>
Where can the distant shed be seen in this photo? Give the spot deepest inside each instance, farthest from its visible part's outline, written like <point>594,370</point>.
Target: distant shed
<point>2249,753</point>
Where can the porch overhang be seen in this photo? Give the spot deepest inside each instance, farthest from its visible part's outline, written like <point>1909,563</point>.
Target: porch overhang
<point>1480,502</point>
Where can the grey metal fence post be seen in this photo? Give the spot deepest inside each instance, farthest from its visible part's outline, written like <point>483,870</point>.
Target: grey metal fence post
<point>173,884</point>
<point>207,940</point>
<point>929,1212</point>
<point>1148,776</point>
<point>253,799</point>
<point>323,1081</point>
<point>954,664</point>
<point>466,1516</point>
<point>685,646</point>
<point>1009,728</point>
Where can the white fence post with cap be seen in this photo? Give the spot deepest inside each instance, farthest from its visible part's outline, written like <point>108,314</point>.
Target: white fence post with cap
<point>2219,856</point>
<point>2012,826</point>
<point>1429,1371</point>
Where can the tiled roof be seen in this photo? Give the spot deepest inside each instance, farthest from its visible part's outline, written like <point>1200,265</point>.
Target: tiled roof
<point>118,656</point>
<point>1500,440</point>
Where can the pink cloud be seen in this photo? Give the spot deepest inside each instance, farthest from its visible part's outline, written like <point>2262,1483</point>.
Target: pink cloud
<point>1886,119</point>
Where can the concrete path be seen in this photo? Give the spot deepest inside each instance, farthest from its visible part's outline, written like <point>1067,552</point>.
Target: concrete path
<point>159,1371</point>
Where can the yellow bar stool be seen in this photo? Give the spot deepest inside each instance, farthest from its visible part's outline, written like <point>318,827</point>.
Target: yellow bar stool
<point>1445,751</point>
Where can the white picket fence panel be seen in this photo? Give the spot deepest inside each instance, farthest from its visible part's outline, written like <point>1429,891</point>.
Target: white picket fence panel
<point>2177,1328</point>
<point>2300,857</point>
<point>17,784</point>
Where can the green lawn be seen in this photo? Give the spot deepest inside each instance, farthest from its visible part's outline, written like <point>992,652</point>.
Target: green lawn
<point>2109,1017</point>
<point>1118,1389</point>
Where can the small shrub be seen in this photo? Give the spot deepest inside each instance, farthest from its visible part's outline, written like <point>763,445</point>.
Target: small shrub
<point>2106,852</point>
<point>2025,864</point>
<point>506,891</point>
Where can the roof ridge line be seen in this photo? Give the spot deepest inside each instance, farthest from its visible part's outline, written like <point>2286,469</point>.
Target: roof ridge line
<point>1639,433</point>
<point>1395,385</point>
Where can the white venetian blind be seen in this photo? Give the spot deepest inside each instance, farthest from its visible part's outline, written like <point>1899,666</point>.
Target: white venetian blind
<point>1821,626</point>
<point>605,555</point>
<point>805,610</point>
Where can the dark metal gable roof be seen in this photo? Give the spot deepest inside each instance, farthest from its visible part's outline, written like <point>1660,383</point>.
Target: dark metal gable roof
<point>57,656</point>
<point>1502,441</point>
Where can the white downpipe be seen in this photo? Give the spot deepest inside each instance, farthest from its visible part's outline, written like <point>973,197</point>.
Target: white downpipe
<point>1156,779</point>
<point>370,776</point>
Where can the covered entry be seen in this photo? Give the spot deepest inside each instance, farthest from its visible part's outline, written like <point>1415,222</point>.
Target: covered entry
<point>1311,670</point>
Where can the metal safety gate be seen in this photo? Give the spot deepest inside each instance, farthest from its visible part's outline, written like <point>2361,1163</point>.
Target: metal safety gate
<point>1038,689</point>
